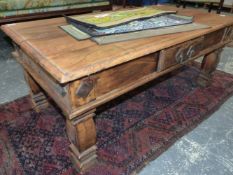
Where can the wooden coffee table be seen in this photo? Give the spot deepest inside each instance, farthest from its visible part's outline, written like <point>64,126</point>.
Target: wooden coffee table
<point>79,76</point>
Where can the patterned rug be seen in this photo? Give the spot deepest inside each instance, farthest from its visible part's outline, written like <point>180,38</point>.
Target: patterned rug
<point>131,131</point>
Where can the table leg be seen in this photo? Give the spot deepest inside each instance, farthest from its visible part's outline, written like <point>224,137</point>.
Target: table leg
<point>208,66</point>
<point>39,99</point>
<point>82,135</point>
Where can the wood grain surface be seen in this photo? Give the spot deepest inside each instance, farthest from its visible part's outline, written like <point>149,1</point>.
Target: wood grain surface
<point>67,59</point>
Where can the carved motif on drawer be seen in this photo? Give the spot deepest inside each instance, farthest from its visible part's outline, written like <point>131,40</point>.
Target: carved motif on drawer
<point>183,54</point>
<point>228,34</point>
<point>179,54</point>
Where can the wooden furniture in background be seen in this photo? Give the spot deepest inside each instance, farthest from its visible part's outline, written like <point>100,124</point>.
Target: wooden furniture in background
<point>81,75</point>
<point>227,4</point>
<point>210,3</point>
<point>43,15</point>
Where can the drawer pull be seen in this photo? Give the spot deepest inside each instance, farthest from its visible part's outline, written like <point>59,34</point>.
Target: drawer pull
<point>180,53</point>
<point>180,57</point>
<point>184,54</point>
<point>191,51</point>
<point>228,34</point>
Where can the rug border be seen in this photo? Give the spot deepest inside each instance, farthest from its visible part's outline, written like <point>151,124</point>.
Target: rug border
<point>181,134</point>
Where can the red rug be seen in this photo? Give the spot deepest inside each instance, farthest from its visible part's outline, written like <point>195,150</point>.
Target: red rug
<point>132,130</point>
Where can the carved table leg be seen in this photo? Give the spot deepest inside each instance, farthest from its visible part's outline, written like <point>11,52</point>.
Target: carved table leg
<point>39,99</point>
<point>82,135</point>
<point>208,66</point>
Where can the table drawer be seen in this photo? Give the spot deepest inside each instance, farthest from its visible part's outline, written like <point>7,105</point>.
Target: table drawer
<point>213,38</point>
<point>101,83</point>
<point>125,74</point>
<point>179,53</point>
<point>228,34</point>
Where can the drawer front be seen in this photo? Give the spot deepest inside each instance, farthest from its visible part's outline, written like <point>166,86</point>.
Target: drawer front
<point>179,53</point>
<point>93,87</point>
<point>125,74</point>
<point>213,38</point>
<point>228,34</point>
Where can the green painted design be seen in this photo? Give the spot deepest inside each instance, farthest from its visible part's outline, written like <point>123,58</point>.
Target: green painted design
<point>49,9</point>
<point>9,5</point>
<point>106,19</point>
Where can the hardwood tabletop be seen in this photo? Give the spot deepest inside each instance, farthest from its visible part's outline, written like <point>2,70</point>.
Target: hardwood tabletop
<point>67,59</point>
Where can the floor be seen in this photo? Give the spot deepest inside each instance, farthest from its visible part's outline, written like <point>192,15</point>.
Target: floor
<point>207,150</point>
